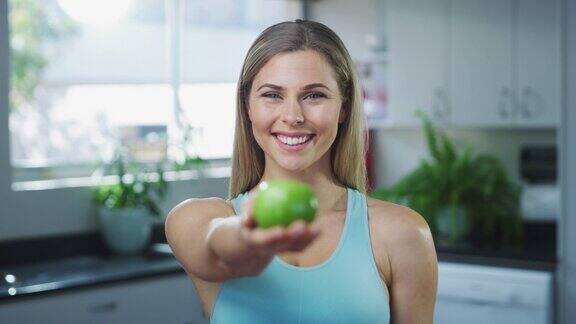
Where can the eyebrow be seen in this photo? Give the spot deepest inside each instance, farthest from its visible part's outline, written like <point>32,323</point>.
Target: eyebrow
<point>306,87</point>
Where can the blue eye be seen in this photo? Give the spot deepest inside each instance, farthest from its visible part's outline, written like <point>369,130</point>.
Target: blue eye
<point>315,95</point>
<point>271,95</point>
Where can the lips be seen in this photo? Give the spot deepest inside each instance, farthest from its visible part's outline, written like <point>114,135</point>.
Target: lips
<point>293,143</point>
<point>293,140</point>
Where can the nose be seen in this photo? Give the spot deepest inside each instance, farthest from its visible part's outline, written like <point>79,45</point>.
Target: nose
<point>292,112</point>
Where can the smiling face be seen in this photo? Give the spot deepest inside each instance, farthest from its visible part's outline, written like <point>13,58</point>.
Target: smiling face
<point>295,108</point>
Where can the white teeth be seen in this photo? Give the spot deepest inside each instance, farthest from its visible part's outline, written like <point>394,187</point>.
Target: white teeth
<point>293,140</point>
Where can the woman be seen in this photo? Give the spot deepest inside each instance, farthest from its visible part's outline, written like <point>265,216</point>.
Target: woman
<point>299,117</point>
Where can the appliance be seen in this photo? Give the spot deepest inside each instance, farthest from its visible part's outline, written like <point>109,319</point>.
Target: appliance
<point>474,294</point>
<point>540,196</point>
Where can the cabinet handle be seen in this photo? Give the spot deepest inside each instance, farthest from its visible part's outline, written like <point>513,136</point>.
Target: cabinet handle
<point>440,107</point>
<point>103,308</point>
<point>504,101</point>
<point>530,98</point>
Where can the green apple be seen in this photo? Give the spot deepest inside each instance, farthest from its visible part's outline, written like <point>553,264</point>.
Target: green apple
<point>281,202</point>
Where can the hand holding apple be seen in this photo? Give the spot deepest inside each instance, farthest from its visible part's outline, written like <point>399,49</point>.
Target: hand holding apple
<point>283,231</point>
<point>282,202</point>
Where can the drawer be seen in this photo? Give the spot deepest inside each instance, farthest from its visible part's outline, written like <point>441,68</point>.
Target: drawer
<point>169,299</point>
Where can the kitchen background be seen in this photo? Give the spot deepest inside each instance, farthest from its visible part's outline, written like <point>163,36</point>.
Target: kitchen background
<point>157,77</point>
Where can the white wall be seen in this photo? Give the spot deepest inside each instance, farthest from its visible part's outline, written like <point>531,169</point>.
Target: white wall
<point>398,151</point>
<point>351,20</point>
<point>27,214</point>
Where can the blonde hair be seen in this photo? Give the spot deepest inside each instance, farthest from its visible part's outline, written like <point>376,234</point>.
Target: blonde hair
<point>348,149</point>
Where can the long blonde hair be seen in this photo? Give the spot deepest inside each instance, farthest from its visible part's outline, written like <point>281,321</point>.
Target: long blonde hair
<point>348,149</point>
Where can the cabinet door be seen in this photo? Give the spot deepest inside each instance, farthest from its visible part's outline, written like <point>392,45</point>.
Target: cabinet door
<point>481,63</point>
<point>417,36</point>
<point>451,311</point>
<point>539,62</point>
<point>161,300</point>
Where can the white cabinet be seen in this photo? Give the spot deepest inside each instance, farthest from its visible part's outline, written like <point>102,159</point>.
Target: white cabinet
<point>479,63</point>
<point>539,86</point>
<point>481,69</point>
<point>169,299</point>
<point>476,294</point>
<point>505,67</point>
<point>418,43</point>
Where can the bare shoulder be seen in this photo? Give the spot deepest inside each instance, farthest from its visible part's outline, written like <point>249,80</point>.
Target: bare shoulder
<point>204,206</point>
<point>405,237</point>
<point>199,208</point>
<point>191,218</point>
<point>399,228</point>
<point>387,213</point>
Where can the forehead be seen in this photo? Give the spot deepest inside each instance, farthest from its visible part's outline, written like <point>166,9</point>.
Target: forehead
<point>295,69</point>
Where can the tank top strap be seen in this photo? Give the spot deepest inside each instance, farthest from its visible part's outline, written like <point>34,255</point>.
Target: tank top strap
<point>237,203</point>
<point>358,234</point>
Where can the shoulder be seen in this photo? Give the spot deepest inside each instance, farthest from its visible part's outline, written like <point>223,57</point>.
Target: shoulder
<point>402,230</point>
<point>387,214</point>
<point>201,208</point>
<point>406,239</point>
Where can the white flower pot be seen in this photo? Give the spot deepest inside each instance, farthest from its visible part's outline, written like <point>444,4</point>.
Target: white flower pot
<point>126,230</point>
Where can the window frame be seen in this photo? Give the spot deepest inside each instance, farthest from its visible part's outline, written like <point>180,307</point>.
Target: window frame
<point>33,181</point>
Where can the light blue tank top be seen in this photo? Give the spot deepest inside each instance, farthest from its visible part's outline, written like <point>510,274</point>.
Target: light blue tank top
<point>346,288</point>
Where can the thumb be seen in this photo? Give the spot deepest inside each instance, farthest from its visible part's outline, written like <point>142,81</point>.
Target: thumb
<point>248,221</point>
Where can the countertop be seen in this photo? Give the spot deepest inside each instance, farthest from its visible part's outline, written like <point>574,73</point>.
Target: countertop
<point>35,278</point>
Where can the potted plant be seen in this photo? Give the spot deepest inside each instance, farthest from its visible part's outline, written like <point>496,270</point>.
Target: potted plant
<point>464,197</point>
<point>127,207</point>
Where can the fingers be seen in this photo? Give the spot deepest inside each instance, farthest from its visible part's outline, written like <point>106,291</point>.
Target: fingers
<point>248,221</point>
<point>296,237</point>
<point>301,236</point>
<point>277,239</point>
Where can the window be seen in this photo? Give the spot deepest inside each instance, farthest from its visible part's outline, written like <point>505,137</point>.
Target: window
<point>82,71</point>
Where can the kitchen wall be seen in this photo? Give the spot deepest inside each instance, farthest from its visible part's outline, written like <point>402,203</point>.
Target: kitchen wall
<point>28,214</point>
<point>351,20</point>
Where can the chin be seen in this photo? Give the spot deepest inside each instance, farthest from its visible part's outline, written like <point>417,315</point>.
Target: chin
<point>293,164</point>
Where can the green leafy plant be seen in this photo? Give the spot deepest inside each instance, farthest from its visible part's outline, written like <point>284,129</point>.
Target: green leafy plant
<point>137,186</point>
<point>465,185</point>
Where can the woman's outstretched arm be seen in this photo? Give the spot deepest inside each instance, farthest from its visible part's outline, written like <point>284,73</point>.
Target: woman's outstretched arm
<point>215,247</point>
